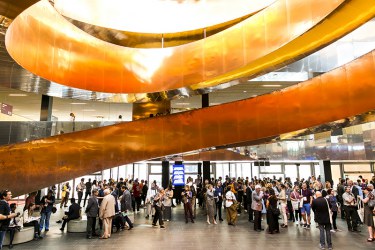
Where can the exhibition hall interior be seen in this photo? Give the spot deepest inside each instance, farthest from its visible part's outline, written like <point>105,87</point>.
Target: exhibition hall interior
<point>164,99</point>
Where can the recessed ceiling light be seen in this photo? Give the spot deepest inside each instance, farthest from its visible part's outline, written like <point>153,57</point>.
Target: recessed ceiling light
<point>182,103</point>
<point>245,91</point>
<point>78,103</point>
<point>271,85</point>
<point>17,95</point>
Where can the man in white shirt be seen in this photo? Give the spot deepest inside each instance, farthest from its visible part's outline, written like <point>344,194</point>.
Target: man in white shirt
<point>256,205</point>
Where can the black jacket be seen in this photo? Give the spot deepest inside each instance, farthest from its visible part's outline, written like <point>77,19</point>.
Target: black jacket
<point>74,211</point>
<point>249,195</point>
<point>321,208</point>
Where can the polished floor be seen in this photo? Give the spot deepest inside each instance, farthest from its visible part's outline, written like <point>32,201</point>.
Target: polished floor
<point>200,235</point>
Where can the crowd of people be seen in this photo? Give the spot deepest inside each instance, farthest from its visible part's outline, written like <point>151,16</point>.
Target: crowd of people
<point>268,199</point>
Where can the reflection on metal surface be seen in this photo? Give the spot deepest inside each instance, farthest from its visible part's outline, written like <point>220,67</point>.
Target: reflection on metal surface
<point>151,109</point>
<point>341,93</point>
<point>62,53</point>
<point>326,141</point>
<point>151,40</point>
<point>357,43</point>
<point>157,16</point>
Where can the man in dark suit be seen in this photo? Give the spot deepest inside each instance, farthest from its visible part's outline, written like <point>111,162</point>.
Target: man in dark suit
<point>321,208</point>
<point>92,211</point>
<point>73,213</point>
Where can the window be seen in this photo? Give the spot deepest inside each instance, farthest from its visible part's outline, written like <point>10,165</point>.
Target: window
<point>291,172</point>
<point>304,171</point>
<point>273,168</point>
<point>156,169</point>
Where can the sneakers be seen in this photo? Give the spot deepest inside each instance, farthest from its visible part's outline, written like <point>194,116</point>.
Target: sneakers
<point>154,225</point>
<point>304,226</point>
<point>333,231</point>
<point>308,226</point>
<point>338,230</point>
<point>162,227</point>
<point>322,247</point>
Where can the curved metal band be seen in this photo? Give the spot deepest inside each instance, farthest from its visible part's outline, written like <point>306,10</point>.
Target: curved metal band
<point>46,44</point>
<point>341,93</point>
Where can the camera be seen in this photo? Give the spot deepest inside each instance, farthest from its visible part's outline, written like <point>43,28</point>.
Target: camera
<point>18,214</point>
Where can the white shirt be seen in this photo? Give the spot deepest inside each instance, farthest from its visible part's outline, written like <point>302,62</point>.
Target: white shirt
<point>229,198</point>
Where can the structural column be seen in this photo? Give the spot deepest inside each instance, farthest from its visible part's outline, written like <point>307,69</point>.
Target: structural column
<point>206,171</point>
<point>46,108</point>
<point>325,172</point>
<point>165,174</point>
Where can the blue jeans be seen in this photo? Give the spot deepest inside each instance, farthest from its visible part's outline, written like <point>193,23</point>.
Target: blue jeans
<point>44,219</point>
<point>325,233</point>
<point>2,237</point>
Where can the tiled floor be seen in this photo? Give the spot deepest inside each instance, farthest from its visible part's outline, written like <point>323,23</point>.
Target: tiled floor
<point>200,235</point>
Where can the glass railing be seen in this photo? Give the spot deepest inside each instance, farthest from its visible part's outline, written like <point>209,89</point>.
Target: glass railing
<point>21,131</point>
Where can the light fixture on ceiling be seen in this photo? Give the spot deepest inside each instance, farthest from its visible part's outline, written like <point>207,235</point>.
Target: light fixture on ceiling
<point>182,103</point>
<point>272,85</point>
<point>78,103</point>
<point>88,110</point>
<point>17,95</point>
<point>245,91</point>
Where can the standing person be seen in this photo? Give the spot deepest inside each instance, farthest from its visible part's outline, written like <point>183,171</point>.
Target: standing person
<point>5,214</point>
<point>186,199</point>
<point>80,187</point>
<point>340,192</point>
<point>88,192</point>
<point>65,194</point>
<point>158,201</point>
<point>167,202</point>
<point>126,205</point>
<point>137,195</point>
<point>249,197</point>
<point>73,213</point>
<point>283,204</point>
<point>210,204</point>
<point>334,208</point>
<point>256,206</point>
<point>288,191</point>
<point>307,197</point>
<point>350,206</point>
<point>295,198</point>
<point>92,211</point>
<point>106,213</point>
<point>46,202</point>
<point>272,212</point>
<point>321,208</point>
<point>149,202</point>
<point>231,206</point>
<point>369,211</point>
<point>144,192</point>
<point>218,194</point>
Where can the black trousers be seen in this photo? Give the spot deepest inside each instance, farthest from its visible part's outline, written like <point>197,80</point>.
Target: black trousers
<point>250,211</point>
<point>80,194</point>
<point>257,220</point>
<point>91,223</point>
<point>127,220</point>
<point>351,217</point>
<point>84,200</point>
<point>158,216</point>
<point>138,201</point>
<point>219,206</point>
<point>34,224</point>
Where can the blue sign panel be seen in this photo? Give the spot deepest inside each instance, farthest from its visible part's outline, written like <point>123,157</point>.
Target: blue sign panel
<point>178,175</point>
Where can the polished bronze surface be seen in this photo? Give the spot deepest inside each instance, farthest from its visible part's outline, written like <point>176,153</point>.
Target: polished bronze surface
<point>150,109</point>
<point>280,34</point>
<point>341,93</point>
<point>151,40</point>
<point>12,8</point>
<point>217,155</point>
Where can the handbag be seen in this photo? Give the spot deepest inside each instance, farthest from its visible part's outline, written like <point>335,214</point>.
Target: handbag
<point>329,212</point>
